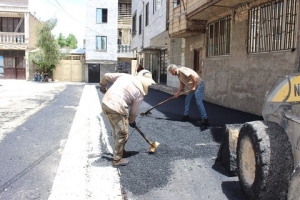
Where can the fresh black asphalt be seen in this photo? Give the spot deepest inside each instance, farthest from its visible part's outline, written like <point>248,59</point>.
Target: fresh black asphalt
<point>183,166</point>
<point>31,153</point>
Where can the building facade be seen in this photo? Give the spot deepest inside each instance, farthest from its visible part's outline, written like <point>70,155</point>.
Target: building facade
<point>17,38</point>
<point>150,37</point>
<point>240,48</point>
<point>107,37</point>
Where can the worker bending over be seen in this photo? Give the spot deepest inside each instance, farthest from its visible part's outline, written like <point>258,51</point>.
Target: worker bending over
<point>121,105</point>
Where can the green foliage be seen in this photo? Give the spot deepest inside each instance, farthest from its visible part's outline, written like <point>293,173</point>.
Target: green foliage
<point>48,55</point>
<point>70,41</point>
<point>61,40</point>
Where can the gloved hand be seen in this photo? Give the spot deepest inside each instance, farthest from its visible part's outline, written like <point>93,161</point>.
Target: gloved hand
<point>103,89</point>
<point>132,125</point>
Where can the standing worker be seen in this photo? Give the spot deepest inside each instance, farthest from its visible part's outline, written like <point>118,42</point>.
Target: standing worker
<point>194,82</point>
<point>121,105</point>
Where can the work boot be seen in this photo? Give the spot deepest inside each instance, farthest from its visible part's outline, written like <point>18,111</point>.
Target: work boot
<point>185,118</point>
<point>204,122</point>
<point>121,162</point>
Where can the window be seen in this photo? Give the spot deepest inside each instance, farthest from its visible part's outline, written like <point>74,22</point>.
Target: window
<point>176,3</point>
<point>134,24</point>
<point>156,5</point>
<point>140,24</point>
<point>147,14</point>
<point>101,43</point>
<point>8,24</point>
<point>218,37</point>
<point>119,36</point>
<point>272,26</point>
<point>101,15</point>
<point>124,9</point>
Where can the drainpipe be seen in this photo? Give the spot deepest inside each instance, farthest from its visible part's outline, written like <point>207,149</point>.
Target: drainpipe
<point>143,25</point>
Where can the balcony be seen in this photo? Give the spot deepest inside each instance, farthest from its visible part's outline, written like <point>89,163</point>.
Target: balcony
<point>10,40</point>
<point>190,18</point>
<point>124,51</point>
<point>124,18</point>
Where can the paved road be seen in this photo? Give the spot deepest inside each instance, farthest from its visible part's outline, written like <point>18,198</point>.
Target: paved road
<point>70,158</point>
<point>183,166</point>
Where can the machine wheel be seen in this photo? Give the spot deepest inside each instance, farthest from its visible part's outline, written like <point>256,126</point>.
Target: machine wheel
<point>294,188</point>
<point>264,160</point>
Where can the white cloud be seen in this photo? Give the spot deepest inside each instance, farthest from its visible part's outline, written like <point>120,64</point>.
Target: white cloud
<point>69,13</point>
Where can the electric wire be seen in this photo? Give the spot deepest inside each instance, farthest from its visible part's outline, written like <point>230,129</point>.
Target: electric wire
<point>63,10</point>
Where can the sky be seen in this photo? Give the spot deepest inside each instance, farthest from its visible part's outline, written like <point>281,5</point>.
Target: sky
<point>70,15</point>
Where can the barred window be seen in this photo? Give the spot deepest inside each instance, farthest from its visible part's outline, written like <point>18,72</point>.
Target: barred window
<point>272,26</point>
<point>218,37</point>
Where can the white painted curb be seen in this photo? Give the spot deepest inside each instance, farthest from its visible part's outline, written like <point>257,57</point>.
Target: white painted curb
<point>77,178</point>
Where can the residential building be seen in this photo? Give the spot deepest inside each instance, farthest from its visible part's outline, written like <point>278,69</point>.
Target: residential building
<point>107,37</point>
<point>150,37</point>
<point>240,48</point>
<point>17,38</point>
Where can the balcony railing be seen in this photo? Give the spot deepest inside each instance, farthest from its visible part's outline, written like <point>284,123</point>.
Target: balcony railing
<point>124,49</point>
<point>124,17</point>
<point>12,38</point>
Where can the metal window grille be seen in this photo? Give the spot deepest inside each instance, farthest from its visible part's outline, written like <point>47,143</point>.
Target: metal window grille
<point>218,37</point>
<point>272,26</point>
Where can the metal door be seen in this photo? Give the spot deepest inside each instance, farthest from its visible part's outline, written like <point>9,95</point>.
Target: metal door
<point>94,73</point>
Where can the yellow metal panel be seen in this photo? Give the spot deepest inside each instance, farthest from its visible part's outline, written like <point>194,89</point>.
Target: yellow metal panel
<point>289,92</point>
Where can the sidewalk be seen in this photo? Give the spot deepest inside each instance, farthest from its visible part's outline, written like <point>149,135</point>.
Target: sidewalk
<point>164,88</point>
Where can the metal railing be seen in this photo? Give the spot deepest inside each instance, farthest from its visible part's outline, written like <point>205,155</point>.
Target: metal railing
<point>12,38</point>
<point>124,16</point>
<point>124,49</point>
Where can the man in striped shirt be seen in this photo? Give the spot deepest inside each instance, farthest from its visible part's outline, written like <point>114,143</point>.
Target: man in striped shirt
<point>190,79</point>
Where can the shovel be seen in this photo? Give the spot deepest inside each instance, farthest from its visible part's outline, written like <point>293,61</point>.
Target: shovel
<point>153,146</point>
<point>173,97</point>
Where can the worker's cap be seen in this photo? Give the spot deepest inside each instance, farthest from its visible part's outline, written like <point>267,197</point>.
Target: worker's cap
<point>145,77</point>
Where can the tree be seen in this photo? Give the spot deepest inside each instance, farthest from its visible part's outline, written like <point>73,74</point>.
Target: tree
<point>61,40</point>
<point>70,41</point>
<point>48,55</point>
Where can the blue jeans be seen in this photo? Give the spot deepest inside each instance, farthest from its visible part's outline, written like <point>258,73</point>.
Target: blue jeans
<point>198,93</point>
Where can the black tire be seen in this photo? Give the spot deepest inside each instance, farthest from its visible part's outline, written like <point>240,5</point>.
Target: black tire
<point>294,188</point>
<point>264,160</point>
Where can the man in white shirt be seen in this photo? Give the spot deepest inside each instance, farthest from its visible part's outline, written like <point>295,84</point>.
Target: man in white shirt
<point>121,105</point>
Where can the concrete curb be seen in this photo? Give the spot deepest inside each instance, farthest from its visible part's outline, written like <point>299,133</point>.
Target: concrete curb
<point>77,176</point>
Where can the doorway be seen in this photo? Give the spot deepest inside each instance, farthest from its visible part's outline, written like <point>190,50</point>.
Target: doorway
<point>94,73</point>
<point>197,61</point>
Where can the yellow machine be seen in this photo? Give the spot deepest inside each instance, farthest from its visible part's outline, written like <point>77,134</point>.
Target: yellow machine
<point>268,151</point>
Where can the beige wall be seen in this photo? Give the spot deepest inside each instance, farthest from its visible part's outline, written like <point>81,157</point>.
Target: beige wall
<point>33,23</point>
<point>241,80</point>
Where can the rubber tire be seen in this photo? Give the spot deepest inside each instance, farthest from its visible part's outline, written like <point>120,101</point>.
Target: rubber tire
<point>294,188</point>
<point>273,160</point>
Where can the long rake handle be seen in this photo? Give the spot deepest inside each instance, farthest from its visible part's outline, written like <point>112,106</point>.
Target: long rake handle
<point>165,101</point>
<point>159,104</point>
<point>143,135</point>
